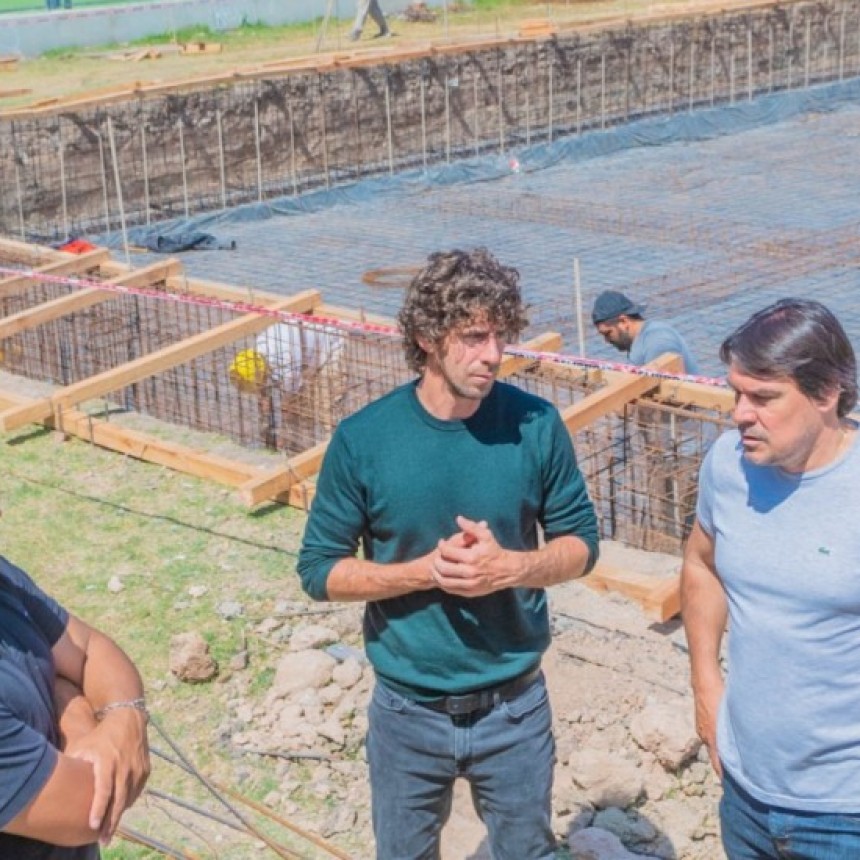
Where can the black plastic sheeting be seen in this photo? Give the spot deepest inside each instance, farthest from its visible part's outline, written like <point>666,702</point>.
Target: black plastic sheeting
<point>696,125</point>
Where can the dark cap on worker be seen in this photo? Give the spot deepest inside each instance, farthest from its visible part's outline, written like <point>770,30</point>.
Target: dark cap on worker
<point>611,304</point>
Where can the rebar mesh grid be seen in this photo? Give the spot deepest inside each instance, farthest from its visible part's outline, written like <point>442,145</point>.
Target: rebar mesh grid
<point>208,149</point>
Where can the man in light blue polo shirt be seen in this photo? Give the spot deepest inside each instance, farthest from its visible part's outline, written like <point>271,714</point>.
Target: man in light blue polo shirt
<point>776,551</point>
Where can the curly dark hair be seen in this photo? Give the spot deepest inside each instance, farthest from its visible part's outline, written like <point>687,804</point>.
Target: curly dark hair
<point>450,291</point>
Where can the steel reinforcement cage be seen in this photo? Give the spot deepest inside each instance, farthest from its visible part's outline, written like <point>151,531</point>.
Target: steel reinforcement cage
<point>142,157</point>
<point>165,368</point>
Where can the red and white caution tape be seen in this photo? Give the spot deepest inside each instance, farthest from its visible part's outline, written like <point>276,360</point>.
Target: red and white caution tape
<point>241,307</point>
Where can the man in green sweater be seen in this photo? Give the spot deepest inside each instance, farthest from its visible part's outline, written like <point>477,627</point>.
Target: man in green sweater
<point>446,484</point>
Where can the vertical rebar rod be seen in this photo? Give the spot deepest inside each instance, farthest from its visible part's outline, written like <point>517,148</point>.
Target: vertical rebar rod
<point>691,77</point>
<point>857,64</point>
<point>790,52</point>
<point>389,125</point>
<point>423,86</point>
<point>182,165</point>
<point>118,185</point>
<point>807,52</point>
<point>20,194</point>
<point>646,78</point>
<point>842,45</point>
<point>770,57</point>
<point>577,295</point>
<point>672,74</point>
<point>749,63</point>
<point>293,148</point>
<point>732,71</point>
<point>551,96</point>
<point>104,181</point>
<point>713,69</point>
<point>579,95</point>
<point>447,119</point>
<point>325,129</point>
<point>258,149</point>
<point>145,157</point>
<point>477,116</point>
<point>63,193</point>
<point>356,113</point>
<point>222,168</point>
<point>603,89</point>
<point>628,63</point>
<point>501,104</point>
<point>528,111</point>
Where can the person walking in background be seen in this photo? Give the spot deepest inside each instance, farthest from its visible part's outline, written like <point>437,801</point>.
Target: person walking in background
<point>447,483</point>
<point>621,322</point>
<point>775,551</point>
<point>363,9</point>
<point>73,747</point>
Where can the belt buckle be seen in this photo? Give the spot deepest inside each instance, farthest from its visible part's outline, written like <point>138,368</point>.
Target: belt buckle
<point>460,706</point>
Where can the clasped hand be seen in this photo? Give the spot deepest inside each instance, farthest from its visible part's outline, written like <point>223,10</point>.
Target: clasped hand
<point>471,563</point>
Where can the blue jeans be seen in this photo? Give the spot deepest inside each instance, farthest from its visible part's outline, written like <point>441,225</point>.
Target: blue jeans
<point>507,754</point>
<point>755,831</point>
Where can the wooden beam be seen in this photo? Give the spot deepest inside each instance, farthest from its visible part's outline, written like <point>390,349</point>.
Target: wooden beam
<point>659,596</point>
<point>180,458</point>
<point>49,311</point>
<point>697,394</point>
<point>616,395</point>
<point>148,365</point>
<point>72,264</point>
<point>281,480</point>
<point>664,602</point>
<point>81,299</point>
<point>548,342</point>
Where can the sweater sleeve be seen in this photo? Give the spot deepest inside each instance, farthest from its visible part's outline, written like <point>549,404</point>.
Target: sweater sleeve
<point>567,508</point>
<point>337,521</point>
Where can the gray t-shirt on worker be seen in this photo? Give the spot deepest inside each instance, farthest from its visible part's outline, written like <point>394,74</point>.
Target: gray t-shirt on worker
<point>656,338</point>
<point>787,550</point>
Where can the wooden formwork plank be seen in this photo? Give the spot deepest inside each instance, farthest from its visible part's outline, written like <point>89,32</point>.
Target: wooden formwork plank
<point>697,394</point>
<point>83,298</point>
<point>308,462</point>
<point>179,458</point>
<point>52,310</point>
<point>148,365</point>
<point>17,248</point>
<point>659,597</point>
<point>664,601</point>
<point>547,342</point>
<point>70,264</point>
<point>281,480</point>
<point>616,395</point>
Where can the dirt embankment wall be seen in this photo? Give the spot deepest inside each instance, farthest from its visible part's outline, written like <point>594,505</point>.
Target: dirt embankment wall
<point>74,169</point>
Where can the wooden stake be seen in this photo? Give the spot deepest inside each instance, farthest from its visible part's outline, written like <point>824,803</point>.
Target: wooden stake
<point>118,185</point>
<point>182,165</point>
<point>221,166</point>
<point>62,159</point>
<point>258,150</point>
<point>577,292</point>
<point>145,171</point>
<point>388,125</point>
<point>104,181</point>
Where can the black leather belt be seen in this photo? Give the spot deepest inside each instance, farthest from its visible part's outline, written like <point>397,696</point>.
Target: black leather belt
<point>483,700</point>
